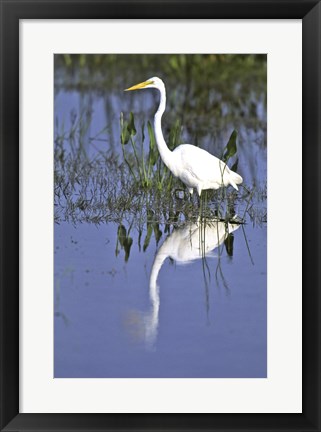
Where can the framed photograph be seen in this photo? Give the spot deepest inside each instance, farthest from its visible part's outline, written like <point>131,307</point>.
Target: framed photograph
<point>160,215</point>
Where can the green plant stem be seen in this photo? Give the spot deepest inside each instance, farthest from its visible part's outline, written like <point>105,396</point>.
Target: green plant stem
<point>127,163</point>
<point>136,157</point>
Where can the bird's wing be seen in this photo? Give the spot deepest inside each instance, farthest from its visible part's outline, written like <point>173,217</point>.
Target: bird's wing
<point>201,164</point>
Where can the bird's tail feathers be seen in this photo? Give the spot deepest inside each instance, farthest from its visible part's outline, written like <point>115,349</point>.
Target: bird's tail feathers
<point>235,179</point>
<point>233,184</point>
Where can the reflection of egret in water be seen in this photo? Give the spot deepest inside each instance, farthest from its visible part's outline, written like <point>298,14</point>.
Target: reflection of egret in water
<point>188,243</point>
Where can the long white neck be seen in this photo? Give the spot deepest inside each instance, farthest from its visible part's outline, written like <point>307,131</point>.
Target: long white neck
<point>166,155</point>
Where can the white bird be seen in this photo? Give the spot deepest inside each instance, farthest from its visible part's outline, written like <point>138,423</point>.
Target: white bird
<point>195,167</point>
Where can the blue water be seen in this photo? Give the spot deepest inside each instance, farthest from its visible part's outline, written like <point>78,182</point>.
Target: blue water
<point>206,326</point>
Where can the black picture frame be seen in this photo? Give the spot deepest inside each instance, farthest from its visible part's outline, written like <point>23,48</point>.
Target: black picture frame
<point>11,12</point>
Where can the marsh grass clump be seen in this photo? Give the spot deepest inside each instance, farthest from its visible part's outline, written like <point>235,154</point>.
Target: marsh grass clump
<point>145,164</point>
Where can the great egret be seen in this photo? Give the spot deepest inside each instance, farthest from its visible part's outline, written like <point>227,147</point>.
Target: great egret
<point>195,167</point>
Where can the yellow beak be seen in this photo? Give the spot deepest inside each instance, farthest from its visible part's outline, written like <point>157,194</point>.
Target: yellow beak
<point>139,86</point>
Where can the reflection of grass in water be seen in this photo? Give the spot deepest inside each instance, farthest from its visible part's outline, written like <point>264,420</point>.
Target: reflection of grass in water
<point>225,242</point>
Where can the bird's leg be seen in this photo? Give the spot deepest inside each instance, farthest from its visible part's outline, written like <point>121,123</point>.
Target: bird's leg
<point>201,205</point>
<point>190,203</point>
<point>190,193</point>
<point>205,198</point>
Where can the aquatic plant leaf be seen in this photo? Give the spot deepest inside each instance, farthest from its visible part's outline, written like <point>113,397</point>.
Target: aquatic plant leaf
<point>234,166</point>
<point>153,155</point>
<point>148,237</point>
<point>229,244</point>
<point>127,245</point>
<point>124,133</point>
<point>121,234</point>
<point>143,132</point>
<point>174,135</point>
<point>139,239</point>
<point>131,125</point>
<point>124,240</point>
<point>117,248</point>
<point>230,148</point>
<point>151,135</point>
<point>157,232</point>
